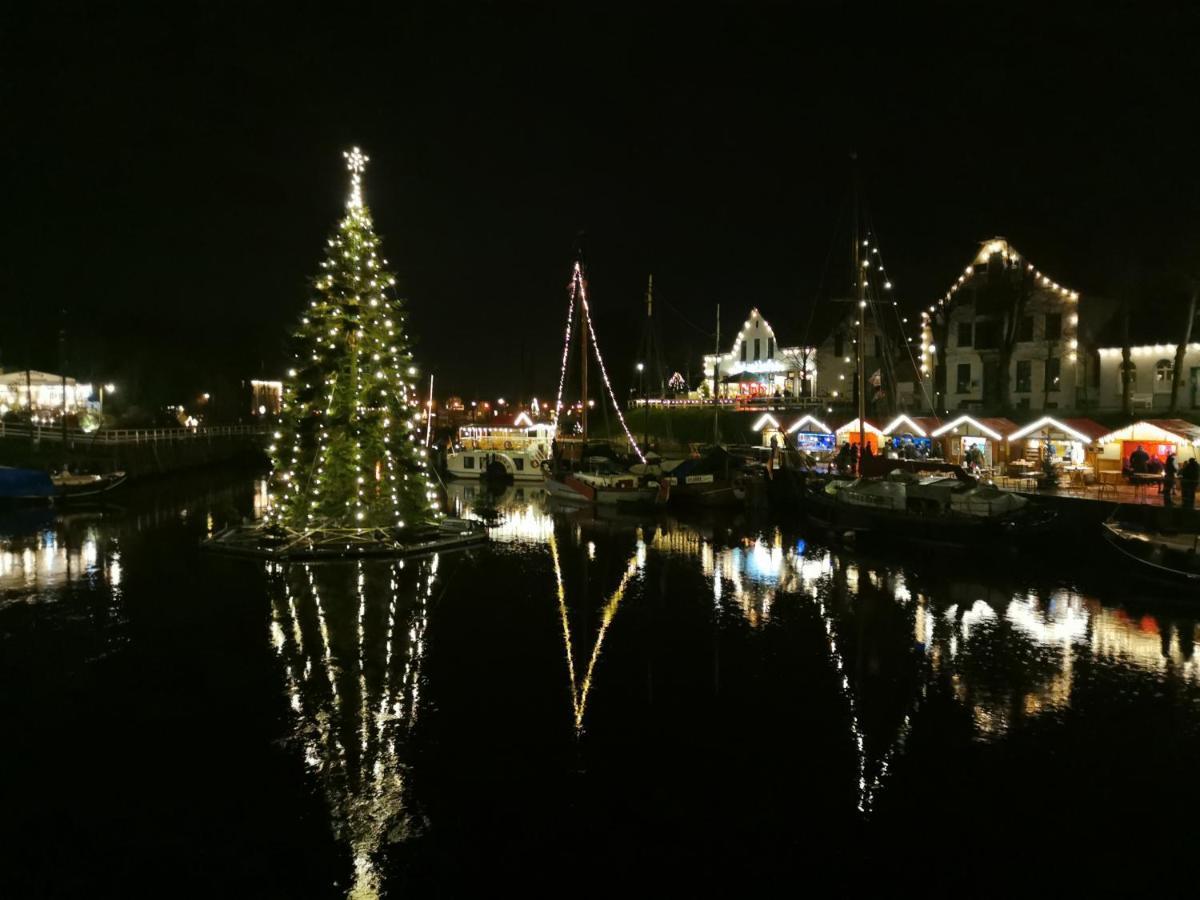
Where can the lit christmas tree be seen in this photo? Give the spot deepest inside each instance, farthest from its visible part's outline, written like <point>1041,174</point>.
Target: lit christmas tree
<point>346,453</point>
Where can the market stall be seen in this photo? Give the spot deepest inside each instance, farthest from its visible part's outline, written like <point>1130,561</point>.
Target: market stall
<point>770,430</point>
<point>812,436</point>
<point>1157,437</point>
<point>965,434</point>
<point>909,438</point>
<point>848,434</point>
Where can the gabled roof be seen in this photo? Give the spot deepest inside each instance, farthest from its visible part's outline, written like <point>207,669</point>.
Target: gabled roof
<point>1155,430</point>
<point>1009,253</point>
<point>902,424</point>
<point>852,425</point>
<point>1085,430</point>
<point>995,427</point>
<point>811,421</point>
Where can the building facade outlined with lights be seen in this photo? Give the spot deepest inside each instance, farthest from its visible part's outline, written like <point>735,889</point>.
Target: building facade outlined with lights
<point>756,366</point>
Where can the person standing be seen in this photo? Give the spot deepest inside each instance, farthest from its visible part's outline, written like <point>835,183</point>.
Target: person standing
<point>1169,480</point>
<point>1139,459</point>
<point>1189,476</point>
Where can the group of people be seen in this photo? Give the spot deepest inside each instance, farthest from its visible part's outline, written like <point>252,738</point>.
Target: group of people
<point>1187,475</point>
<point>906,448</point>
<point>846,459</point>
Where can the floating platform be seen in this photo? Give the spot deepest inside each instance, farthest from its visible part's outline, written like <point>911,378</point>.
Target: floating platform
<point>284,544</point>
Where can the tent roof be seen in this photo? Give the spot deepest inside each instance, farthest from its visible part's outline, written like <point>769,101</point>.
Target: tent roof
<point>1155,429</point>
<point>1086,430</point>
<point>994,427</point>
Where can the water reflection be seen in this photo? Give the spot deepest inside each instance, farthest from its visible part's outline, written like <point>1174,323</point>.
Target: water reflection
<point>1009,653</point>
<point>352,639</point>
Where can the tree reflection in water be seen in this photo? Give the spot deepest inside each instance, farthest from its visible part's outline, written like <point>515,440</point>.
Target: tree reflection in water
<point>351,638</point>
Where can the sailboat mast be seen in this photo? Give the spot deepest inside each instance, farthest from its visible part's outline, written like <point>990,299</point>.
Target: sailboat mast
<point>861,281</point>
<point>583,338</point>
<point>717,382</point>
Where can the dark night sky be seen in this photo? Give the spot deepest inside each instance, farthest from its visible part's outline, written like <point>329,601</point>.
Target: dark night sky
<point>170,182</point>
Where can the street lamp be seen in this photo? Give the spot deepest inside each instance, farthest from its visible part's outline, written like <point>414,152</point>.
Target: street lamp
<point>645,406</point>
<point>105,388</point>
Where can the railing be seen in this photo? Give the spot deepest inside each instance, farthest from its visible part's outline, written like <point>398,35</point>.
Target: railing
<point>131,435</point>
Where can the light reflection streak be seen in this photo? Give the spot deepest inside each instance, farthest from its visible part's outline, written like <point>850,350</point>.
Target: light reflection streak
<point>579,692</point>
<point>366,795</point>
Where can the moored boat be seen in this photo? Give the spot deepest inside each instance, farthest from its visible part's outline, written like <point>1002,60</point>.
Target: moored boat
<point>33,486</point>
<point>513,452</point>
<point>1157,543</point>
<point>931,508</point>
<point>25,486</point>
<point>602,482</point>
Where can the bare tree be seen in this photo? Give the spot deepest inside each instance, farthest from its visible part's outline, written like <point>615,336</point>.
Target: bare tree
<point>1181,348</point>
<point>1126,361</point>
<point>1005,298</point>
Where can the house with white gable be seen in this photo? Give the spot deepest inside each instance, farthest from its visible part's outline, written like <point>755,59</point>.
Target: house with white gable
<point>1005,336</point>
<point>757,366</point>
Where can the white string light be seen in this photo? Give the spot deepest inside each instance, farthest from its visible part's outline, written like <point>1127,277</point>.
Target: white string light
<point>562,374</point>
<point>603,371</point>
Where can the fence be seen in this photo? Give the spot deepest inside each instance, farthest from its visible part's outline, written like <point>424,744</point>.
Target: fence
<point>131,435</point>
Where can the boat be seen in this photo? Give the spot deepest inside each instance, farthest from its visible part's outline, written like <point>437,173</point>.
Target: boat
<point>33,486</point>
<point>599,480</point>
<point>925,507</point>
<point>502,453</point>
<point>1157,543</point>
<point>71,486</point>
<point>584,473</point>
<point>25,486</point>
<point>714,478</point>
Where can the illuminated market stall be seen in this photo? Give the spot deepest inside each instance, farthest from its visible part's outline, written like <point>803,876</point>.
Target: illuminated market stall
<point>1157,437</point>
<point>811,435</point>
<point>960,436</point>
<point>848,433</point>
<point>1064,441</point>
<point>909,438</point>
<point>770,430</point>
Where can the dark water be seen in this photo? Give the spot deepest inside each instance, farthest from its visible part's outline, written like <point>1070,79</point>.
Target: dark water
<point>588,702</point>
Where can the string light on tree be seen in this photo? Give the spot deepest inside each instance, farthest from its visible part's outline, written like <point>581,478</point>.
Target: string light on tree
<point>346,453</point>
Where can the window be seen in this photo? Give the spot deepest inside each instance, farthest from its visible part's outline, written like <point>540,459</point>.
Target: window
<point>743,351</point>
<point>519,462</point>
<point>1054,374</point>
<point>1024,376</point>
<point>986,335</point>
<point>758,348</point>
<point>966,334</point>
<point>770,348</point>
<point>1053,326</point>
<point>468,462</point>
<point>964,378</point>
<point>839,344</point>
<point>878,348</point>
<point>1025,329</point>
<point>1162,371</point>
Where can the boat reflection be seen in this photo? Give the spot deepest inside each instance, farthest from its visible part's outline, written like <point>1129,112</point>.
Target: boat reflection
<point>1008,651</point>
<point>42,552</point>
<point>351,639</point>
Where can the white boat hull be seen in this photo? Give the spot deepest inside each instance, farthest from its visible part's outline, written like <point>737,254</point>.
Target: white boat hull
<point>474,463</point>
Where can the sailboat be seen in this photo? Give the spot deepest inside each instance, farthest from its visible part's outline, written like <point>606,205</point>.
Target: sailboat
<point>579,474</point>
<point>912,502</point>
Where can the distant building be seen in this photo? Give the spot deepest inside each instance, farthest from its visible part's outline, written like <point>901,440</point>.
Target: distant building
<point>41,392</point>
<point>1005,335</point>
<point>888,365</point>
<point>266,397</point>
<point>1151,370</point>
<point>756,366</point>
